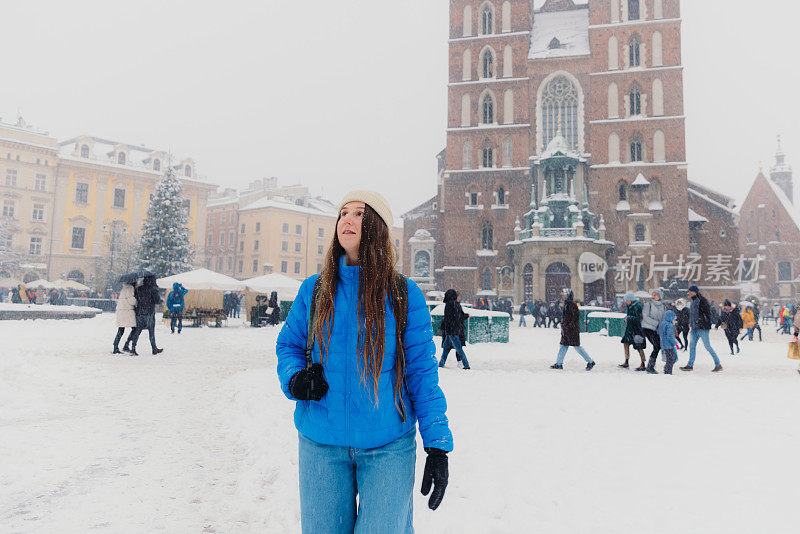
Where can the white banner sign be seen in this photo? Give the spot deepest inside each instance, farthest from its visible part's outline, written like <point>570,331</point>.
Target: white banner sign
<point>591,268</point>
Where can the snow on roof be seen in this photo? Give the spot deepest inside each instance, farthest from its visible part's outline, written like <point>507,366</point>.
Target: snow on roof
<point>696,217</point>
<point>640,180</point>
<point>787,204</point>
<point>286,287</point>
<point>202,279</point>
<point>570,28</point>
<point>711,201</point>
<point>315,206</point>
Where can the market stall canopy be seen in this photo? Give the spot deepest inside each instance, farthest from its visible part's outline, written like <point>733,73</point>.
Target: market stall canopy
<point>201,279</point>
<point>286,287</point>
<point>9,282</point>
<point>40,282</point>
<point>70,284</point>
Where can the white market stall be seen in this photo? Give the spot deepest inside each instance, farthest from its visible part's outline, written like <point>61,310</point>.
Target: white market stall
<point>205,293</point>
<point>262,286</point>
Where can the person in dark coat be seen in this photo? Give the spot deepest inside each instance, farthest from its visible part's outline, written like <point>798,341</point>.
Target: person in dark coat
<point>633,331</point>
<point>700,321</point>
<point>147,298</point>
<point>275,313</point>
<point>682,329</point>
<point>452,327</point>
<point>571,332</point>
<point>15,298</point>
<point>522,314</point>
<point>731,321</point>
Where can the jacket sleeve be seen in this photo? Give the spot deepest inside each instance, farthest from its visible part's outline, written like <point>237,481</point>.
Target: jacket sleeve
<point>291,345</point>
<point>422,374</point>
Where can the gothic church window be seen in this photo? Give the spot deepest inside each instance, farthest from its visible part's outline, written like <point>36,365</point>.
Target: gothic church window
<point>487,19</point>
<point>633,9</point>
<point>488,155</point>
<point>507,153</point>
<point>658,98</point>
<point>466,156</point>
<point>613,148</point>
<point>473,196</point>
<point>487,280</point>
<point>613,101</point>
<point>487,63</point>
<point>636,147</point>
<point>466,63</point>
<point>635,100</point>
<point>506,16</point>
<point>508,107</point>
<point>659,146</point>
<point>501,196</point>
<point>488,109</point>
<point>560,104</point>
<point>634,59</point>
<point>613,53</point>
<point>467,21</point>
<point>658,52</point>
<point>622,190</point>
<point>466,104</point>
<point>508,62</point>
<point>487,236</point>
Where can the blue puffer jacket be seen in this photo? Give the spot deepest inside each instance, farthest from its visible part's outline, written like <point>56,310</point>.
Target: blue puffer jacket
<point>175,297</point>
<point>666,331</point>
<point>347,415</point>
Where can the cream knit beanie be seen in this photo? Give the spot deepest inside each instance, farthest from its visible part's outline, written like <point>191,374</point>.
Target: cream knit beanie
<point>374,200</point>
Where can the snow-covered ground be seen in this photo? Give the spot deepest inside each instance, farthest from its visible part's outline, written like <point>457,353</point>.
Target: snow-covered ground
<point>200,438</point>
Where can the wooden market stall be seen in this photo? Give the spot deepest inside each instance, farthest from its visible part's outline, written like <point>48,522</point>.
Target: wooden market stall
<point>203,302</point>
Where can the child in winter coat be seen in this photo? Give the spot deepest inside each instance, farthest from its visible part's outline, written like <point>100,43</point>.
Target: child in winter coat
<point>666,334</point>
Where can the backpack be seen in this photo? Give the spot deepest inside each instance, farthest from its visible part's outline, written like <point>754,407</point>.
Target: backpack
<point>400,322</point>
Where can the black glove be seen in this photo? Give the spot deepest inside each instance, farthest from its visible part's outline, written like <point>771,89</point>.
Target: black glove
<point>436,473</point>
<point>309,383</point>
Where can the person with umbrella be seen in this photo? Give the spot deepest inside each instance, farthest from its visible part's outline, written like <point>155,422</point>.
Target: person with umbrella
<point>147,298</point>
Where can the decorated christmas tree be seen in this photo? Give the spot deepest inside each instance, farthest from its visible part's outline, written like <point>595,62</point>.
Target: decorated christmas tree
<point>165,248</point>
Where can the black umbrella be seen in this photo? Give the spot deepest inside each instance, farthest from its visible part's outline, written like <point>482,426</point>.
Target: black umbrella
<point>130,278</point>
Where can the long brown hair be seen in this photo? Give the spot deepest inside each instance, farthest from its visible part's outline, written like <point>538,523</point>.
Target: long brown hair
<point>377,281</point>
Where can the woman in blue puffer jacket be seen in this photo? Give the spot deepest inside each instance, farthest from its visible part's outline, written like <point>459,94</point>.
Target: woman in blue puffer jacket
<point>359,397</point>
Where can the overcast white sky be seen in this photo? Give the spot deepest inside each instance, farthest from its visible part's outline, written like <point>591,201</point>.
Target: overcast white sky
<point>352,93</point>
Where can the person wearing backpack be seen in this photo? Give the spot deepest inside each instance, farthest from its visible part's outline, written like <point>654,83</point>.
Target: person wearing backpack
<point>175,305</point>
<point>359,397</point>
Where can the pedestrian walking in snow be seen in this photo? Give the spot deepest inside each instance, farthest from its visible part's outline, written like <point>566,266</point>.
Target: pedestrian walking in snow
<point>522,314</point>
<point>633,331</point>
<point>147,298</point>
<point>452,325</point>
<point>731,322</point>
<point>175,305</point>
<point>682,328</point>
<point>666,334</point>
<point>357,355</point>
<point>796,323</point>
<point>700,321</point>
<point>749,322</point>
<point>757,317</point>
<point>126,316</point>
<point>571,332</point>
<point>652,316</point>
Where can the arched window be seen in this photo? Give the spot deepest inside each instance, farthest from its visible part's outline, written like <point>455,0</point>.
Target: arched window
<point>658,52</point>
<point>501,196</point>
<point>465,110</point>
<point>84,151</point>
<point>658,98</point>
<point>506,16</point>
<point>487,236</point>
<point>508,153</point>
<point>488,108</point>
<point>466,64</point>
<point>613,148</point>
<point>466,155</point>
<point>187,171</point>
<point>508,107</point>
<point>560,103</point>
<point>659,146</point>
<point>508,62</point>
<point>487,280</point>
<point>633,9</point>
<point>613,53</point>
<point>614,5</point>
<point>487,63</point>
<point>636,147</point>
<point>121,158</point>
<point>157,164</point>
<point>635,100</point>
<point>639,234</point>
<point>422,264</point>
<point>622,191</point>
<point>488,155</point>
<point>487,19</point>
<point>467,21</point>
<point>76,275</point>
<point>473,196</point>
<point>634,58</point>
<point>613,101</point>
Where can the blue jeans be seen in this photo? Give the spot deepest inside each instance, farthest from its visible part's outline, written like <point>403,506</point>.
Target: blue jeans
<point>522,320</point>
<point>176,316</point>
<point>694,336</point>
<point>563,352</point>
<point>383,479</point>
<point>453,342</point>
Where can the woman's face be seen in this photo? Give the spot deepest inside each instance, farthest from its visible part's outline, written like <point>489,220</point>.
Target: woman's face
<point>348,229</point>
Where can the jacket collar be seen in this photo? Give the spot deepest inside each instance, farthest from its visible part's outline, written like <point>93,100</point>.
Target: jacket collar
<point>348,273</point>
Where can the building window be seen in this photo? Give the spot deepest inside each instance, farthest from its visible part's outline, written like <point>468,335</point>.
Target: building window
<point>38,212</point>
<point>560,105</point>
<point>635,100</point>
<point>255,266</point>
<point>84,151</point>
<point>223,218</point>
<point>639,233</point>
<point>211,220</point>
<point>633,9</point>
<point>36,246</point>
<point>488,109</point>
<point>219,264</point>
<point>501,196</point>
<point>242,228</point>
<point>119,198</point>
<point>81,193</point>
<point>319,250</point>
<point>230,262</point>
<point>284,246</point>
<point>78,237</point>
<point>285,228</point>
<point>487,236</point>
<point>633,52</point>
<point>487,20</point>
<point>156,164</point>
<point>188,171</point>
<point>210,240</point>
<point>6,241</point>
<point>11,178</point>
<point>297,247</point>
<point>8,208</point>
<point>283,267</point>
<point>466,155</point>
<point>320,232</point>
<point>241,246</point>
<point>231,239</point>
<point>636,147</point>
<point>488,155</point>
<point>487,63</point>
<point>487,280</point>
<point>241,266</point>
<point>297,267</point>
<point>298,230</point>
<point>41,182</point>
<point>222,239</point>
<point>121,158</point>
<point>255,245</point>
<point>784,271</point>
<point>473,196</point>
<point>258,227</point>
<point>622,190</point>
